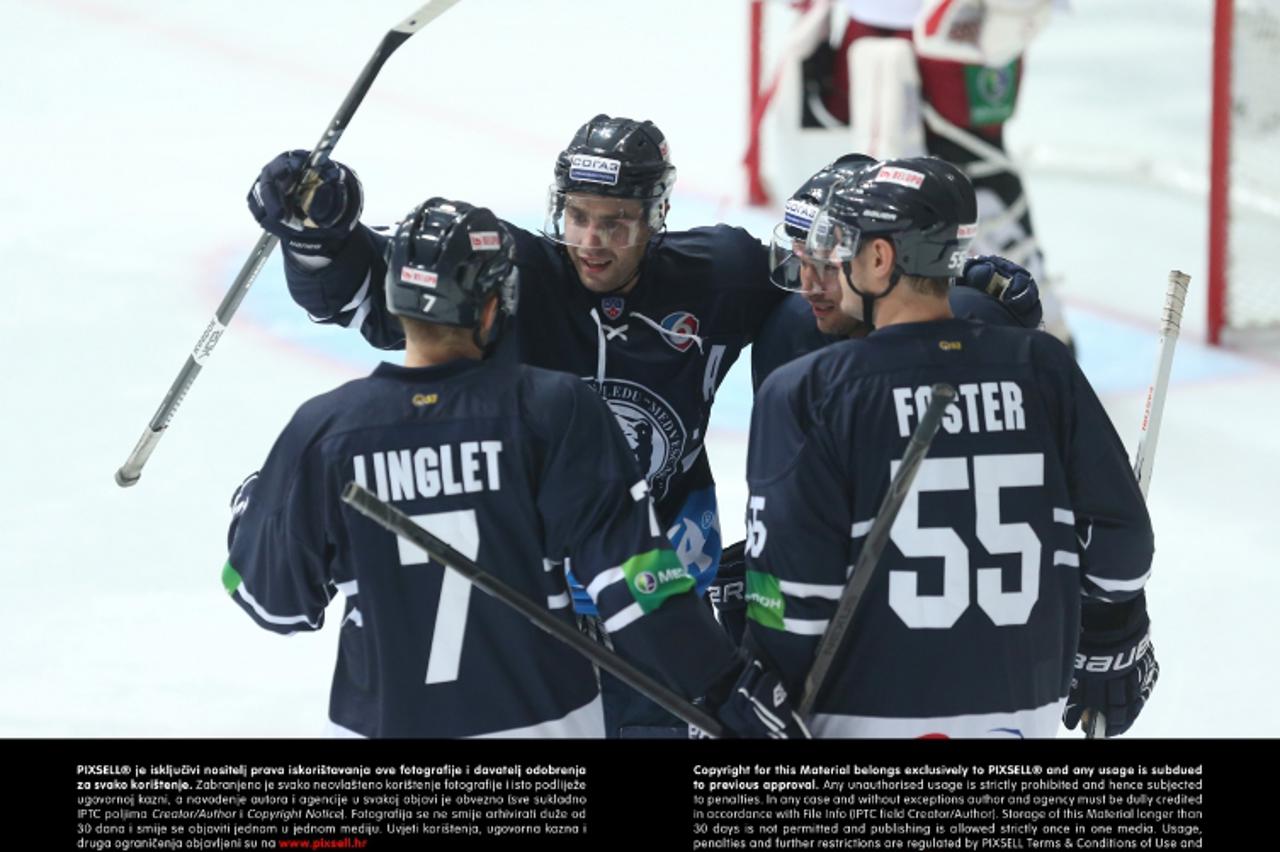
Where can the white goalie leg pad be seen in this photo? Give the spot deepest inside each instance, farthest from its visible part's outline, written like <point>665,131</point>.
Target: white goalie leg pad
<point>978,32</point>
<point>1001,233</point>
<point>884,91</point>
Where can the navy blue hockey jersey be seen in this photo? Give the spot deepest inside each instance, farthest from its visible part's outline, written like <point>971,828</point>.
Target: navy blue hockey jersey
<point>791,331</point>
<point>517,468</point>
<point>1025,502</point>
<point>656,355</point>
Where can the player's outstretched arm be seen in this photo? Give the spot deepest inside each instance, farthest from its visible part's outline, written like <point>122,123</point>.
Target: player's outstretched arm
<point>333,265</point>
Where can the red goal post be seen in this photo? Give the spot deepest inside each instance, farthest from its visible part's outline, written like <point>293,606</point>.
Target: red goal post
<point>1244,183</point>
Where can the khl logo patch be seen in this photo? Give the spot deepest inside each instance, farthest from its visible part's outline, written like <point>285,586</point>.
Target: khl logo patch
<point>612,306</point>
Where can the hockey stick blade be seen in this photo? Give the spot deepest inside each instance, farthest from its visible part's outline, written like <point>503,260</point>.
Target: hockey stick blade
<point>829,646</point>
<point>392,519</point>
<point>131,470</point>
<point>1175,300</point>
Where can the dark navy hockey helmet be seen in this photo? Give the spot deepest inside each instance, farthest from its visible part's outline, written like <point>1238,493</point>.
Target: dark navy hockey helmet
<point>924,205</point>
<point>615,158</point>
<point>445,261</point>
<point>787,244</point>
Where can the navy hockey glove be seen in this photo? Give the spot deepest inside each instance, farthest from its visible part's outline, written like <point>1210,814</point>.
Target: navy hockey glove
<point>728,591</point>
<point>756,707</point>
<point>1011,286</point>
<point>1116,669</point>
<point>321,217</point>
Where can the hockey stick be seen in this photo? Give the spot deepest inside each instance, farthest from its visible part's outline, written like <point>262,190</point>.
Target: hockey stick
<point>397,522</point>
<point>877,538</point>
<point>131,470</point>
<point>1175,299</point>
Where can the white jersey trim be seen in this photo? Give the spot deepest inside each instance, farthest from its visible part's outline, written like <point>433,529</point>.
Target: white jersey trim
<point>603,579</point>
<point>623,618</point>
<point>1120,585</point>
<point>806,626</point>
<point>269,617</point>
<point>361,303</point>
<point>810,590</point>
<point>1036,723</point>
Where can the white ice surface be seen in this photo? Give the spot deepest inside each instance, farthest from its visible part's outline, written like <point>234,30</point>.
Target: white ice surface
<point>133,129</point>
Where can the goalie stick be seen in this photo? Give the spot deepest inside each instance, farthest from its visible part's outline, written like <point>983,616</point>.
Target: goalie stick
<point>1175,299</point>
<point>392,519</point>
<point>131,470</point>
<point>877,538</point>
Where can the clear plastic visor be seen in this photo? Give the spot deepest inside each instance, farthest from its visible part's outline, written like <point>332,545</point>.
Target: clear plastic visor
<point>595,221</point>
<point>832,242</point>
<point>794,269</point>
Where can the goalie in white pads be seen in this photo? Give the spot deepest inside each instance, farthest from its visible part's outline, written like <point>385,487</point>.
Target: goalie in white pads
<point>942,77</point>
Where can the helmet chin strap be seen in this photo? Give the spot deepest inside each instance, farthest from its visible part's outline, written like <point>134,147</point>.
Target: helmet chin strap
<point>869,300</point>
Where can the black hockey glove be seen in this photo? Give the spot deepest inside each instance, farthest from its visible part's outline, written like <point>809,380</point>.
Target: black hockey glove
<point>1116,668</point>
<point>321,217</point>
<point>728,591</point>
<point>756,706</point>
<point>1008,284</point>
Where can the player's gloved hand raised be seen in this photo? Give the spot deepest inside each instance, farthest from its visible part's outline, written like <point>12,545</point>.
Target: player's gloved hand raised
<point>756,706</point>
<point>318,219</point>
<point>1116,668</point>
<point>1008,284</point>
<point>728,591</point>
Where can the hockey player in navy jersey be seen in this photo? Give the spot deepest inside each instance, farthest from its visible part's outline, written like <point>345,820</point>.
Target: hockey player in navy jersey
<point>518,468</point>
<point>989,289</point>
<point>1010,594</point>
<point>652,320</point>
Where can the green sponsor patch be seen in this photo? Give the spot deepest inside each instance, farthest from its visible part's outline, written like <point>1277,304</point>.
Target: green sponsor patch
<point>230,579</point>
<point>655,576</point>
<point>764,600</point>
<point>992,93</point>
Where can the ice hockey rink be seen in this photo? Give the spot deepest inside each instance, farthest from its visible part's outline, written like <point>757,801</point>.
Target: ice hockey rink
<point>133,129</point>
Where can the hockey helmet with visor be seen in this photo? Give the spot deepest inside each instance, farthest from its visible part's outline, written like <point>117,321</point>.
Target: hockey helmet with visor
<point>612,185</point>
